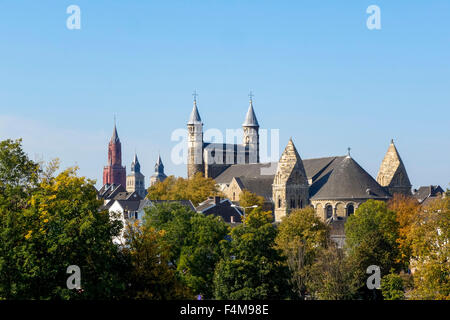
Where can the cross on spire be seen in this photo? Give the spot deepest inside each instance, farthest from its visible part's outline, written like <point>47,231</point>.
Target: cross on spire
<point>348,149</point>
<point>195,95</point>
<point>250,95</point>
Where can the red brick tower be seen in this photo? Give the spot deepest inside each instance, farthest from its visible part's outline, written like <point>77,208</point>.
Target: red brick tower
<point>114,173</point>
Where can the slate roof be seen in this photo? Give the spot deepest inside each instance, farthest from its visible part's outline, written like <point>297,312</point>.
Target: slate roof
<point>338,177</point>
<point>248,171</point>
<point>425,192</point>
<point>221,208</point>
<point>250,119</point>
<point>109,191</point>
<point>344,178</point>
<point>195,116</point>
<point>130,205</point>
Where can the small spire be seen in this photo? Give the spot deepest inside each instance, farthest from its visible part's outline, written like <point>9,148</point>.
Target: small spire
<point>392,141</point>
<point>250,118</point>
<point>115,136</point>
<point>195,116</point>
<point>348,151</point>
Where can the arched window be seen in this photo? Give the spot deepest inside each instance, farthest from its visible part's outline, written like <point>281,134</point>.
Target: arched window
<point>234,196</point>
<point>279,202</point>
<point>329,210</point>
<point>350,209</point>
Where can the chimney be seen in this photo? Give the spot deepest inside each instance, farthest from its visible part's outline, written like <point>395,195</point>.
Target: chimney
<point>216,200</point>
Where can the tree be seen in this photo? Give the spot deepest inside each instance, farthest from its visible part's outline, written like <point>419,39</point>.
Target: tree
<point>249,199</point>
<point>430,238</point>
<point>406,210</point>
<point>18,178</point>
<point>333,276</point>
<point>371,237</point>
<point>392,287</point>
<point>301,236</point>
<point>194,241</point>
<point>196,189</point>
<point>64,227</point>
<point>150,276</point>
<point>252,267</point>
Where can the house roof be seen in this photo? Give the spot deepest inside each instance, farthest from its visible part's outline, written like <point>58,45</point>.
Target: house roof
<point>223,209</point>
<point>425,192</point>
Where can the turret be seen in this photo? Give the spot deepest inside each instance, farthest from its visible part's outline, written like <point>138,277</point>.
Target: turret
<point>251,134</point>
<point>195,142</point>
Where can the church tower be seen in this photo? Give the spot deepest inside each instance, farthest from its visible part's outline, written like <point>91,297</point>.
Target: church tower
<point>159,175</point>
<point>136,180</point>
<point>114,173</point>
<point>290,189</point>
<point>251,134</point>
<point>392,175</point>
<point>195,142</point>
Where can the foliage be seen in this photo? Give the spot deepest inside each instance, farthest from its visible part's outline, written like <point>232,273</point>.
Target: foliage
<point>249,199</point>
<point>64,227</point>
<point>371,237</point>
<point>150,276</point>
<point>431,251</point>
<point>18,178</point>
<point>194,243</point>
<point>196,189</point>
<point>392,287</point>
<point>406,210</point>
<point>252,267</point>
<point>333,276</point>
<point>302,235</point>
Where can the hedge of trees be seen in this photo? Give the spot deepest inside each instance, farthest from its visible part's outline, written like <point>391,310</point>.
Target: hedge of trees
<point>50,219</point>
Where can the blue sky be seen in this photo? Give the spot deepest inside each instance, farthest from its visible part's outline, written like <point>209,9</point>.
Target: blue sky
<point>317,73</point>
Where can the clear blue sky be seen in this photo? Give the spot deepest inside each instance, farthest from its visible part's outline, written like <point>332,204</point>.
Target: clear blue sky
<point>318,74</point>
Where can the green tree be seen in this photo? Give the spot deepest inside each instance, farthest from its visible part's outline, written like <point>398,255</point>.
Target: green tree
<point>63,227</point>
<point>150,275</point>
<point>18,178</point>
<point>194,241</point>
<point>371,239</point>
<point>196,189</point>
<point>301,236</point>
<point>252,267</point>
<point>333,275</point>
<point>392,287</point>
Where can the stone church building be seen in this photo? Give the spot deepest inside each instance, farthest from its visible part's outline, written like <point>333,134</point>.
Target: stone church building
<point>335,186</point>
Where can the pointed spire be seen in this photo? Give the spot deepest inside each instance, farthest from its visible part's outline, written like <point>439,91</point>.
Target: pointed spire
<point>392,171</point>
<point>159,166</point>
<point>115,136</point>
<point>195,116</point>
<point>250,118</point>
<point>135,165</point>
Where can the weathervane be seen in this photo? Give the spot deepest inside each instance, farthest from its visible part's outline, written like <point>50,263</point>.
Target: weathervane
<point>349,151</point>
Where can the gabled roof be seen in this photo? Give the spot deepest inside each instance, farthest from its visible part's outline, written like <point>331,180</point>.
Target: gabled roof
<point>425,192</point>
<point>250,118</point>
<point>346,179</point>
<point>222,209</point>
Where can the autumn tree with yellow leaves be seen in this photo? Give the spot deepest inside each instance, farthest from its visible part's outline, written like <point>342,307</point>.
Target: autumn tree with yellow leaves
<point>196,189</point>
